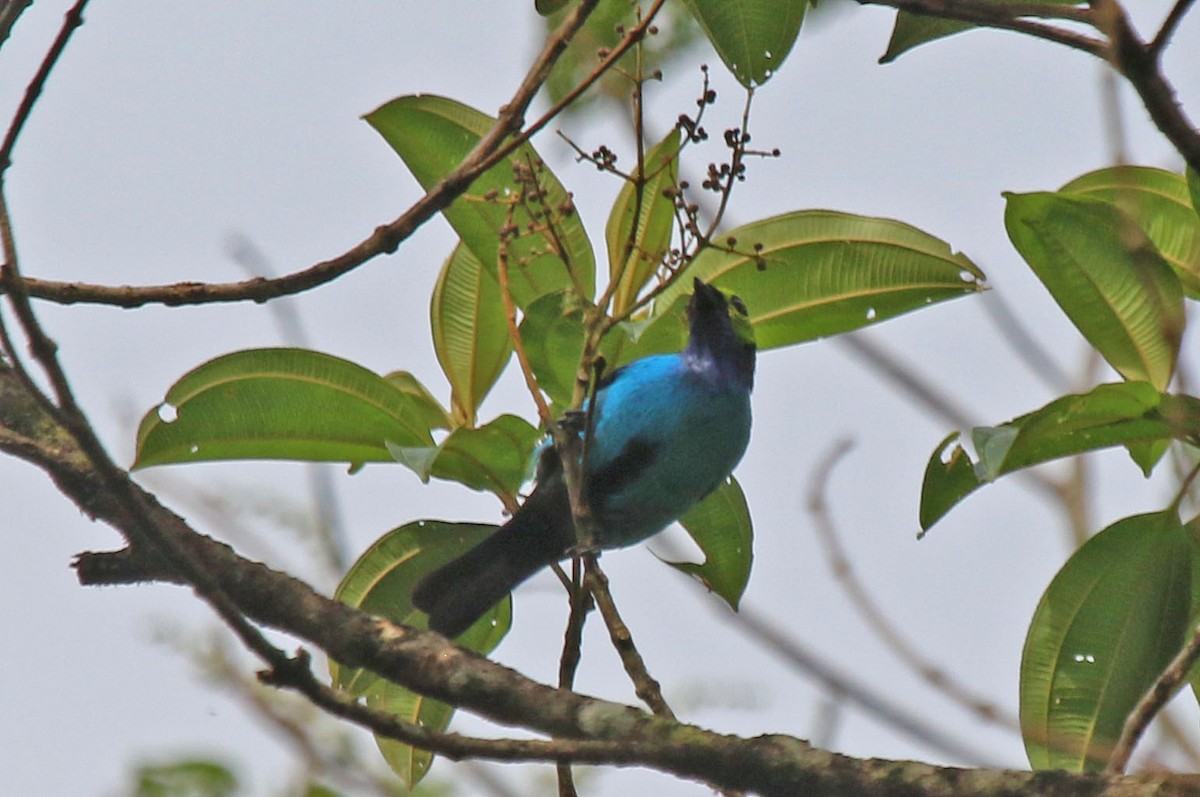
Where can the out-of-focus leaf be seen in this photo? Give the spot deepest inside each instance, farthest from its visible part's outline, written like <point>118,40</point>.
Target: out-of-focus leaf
<point>187,778</point>
<point>470,331</point>
<point>1160,203</point>
<point>494,457</point>
<point>636,246</point>
<point>433,135</point>
<point>721,526</point>
<point>677,31</point>
<point>1109,415</point>
<point>814,273</point>
<point>753,37</point>
<point>280,404</point>
<point>381,582</point>
<point>1107,626</point>
<point>1106,276</point>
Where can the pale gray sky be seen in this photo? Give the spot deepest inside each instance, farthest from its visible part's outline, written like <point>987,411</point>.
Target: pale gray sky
<point>169,127</point>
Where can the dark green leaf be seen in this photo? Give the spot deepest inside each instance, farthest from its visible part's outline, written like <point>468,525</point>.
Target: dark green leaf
<point>434,135</point>
<point>912,30</point>
<point>820,272</point>
<point>1193,182</point>
<point>721,526</point>
<point>1106,627</point>
<point>636,246</point>
<point>753,37</point>
<point>1106,276</point>
<point>1161,205</point>
<point>470,331</point>
<point>280,404</point>
<point>494,457</point>
<point>381,582</point>
<point>1109,415</point>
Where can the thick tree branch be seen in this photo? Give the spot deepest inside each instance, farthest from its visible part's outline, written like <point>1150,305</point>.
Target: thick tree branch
<point>584,729</point>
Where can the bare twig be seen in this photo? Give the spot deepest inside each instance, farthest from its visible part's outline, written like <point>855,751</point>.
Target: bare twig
<point>1153,702</point>
<point>71,21</point>
<point>644,685</point>
<point>1174,17</point>
<point>839,563</point>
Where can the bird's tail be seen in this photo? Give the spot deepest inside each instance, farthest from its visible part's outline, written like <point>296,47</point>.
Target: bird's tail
<point>460,592</point>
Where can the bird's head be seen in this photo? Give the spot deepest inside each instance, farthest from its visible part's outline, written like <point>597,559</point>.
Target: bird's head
<point>719,326</point>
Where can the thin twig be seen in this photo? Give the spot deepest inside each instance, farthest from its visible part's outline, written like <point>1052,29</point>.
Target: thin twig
<point>645,686</point>
<point>71,21</point>
<point>1174,17</point>
<point>839,563</point>
<point>1153,702</point>
<point>386,238</point>
<point>568,662</point>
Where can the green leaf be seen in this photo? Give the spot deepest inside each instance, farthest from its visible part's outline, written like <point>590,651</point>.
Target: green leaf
<point>1109,415</point>
<point>494,458</point>
<point>912,30</point>
<point>552,332</point>
<point>1160,203</point>
<point>637,246</point>
<point>381,582</point>
<point>721,526</point>
<point>470,331</point>
<point>1106,276</point>
<point>1106,627</point>
<point>821,272</point>
<point>433,414</point>
<point>753,37</point>
<point>433,135</point>
<point>186,778</point>
<point>1193,182</point>
<point>280,404</point>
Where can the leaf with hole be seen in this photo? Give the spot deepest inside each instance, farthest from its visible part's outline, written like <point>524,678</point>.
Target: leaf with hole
<point>281,404</point>
<point>1106,627</point>
<point>753,37</point>
<point>1110,415</point>
<point>814,273</point>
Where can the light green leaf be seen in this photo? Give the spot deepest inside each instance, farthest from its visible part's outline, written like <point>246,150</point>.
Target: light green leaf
<point>494,458</point>
<point>552,332</point>
<point>814,273</point>
<point>433,414</point>
<point>1106,276</point>
<point>1106,627</point>
<point>1160,203</point>
<point>470,331</point>
<point>1110,415</point>
<point>381,582</point>
<point>637,246</point>
<point>753,37</point>
<point>721,526</point>
<point>280,404</point>
<point>1193,181</point>
<point>433,135</point>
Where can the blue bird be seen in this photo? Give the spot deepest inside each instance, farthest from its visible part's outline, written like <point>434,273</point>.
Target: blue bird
<point>667,430</point>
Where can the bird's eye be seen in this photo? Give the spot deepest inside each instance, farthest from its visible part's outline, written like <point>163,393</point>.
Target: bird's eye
<point>738,304</point>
